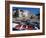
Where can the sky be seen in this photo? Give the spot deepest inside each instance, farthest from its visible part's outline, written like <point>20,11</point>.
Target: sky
<point>31,10</point>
